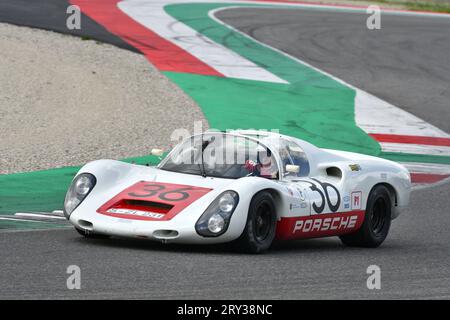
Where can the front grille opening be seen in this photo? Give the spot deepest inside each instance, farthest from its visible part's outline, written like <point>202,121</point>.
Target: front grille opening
<point>149,204</point>
<point>143,205</point>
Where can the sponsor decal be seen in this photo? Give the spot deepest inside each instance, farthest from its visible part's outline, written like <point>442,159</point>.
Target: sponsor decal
<point>301,194</point>
<point>319,224</point>
<point>290,191</point>
<point>301,205</point>
<point>323,225</point>
<point>136,213</point>
<point>356,200</point>
<point>355,167</point>
<point>346,201</point>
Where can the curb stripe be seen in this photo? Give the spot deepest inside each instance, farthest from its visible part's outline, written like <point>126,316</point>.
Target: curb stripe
<point>395,138</point>
<point>415,149</point>
<point>163,54</point>
<point>427,168</point>
<point>227,62</point>
<point>427,177</point>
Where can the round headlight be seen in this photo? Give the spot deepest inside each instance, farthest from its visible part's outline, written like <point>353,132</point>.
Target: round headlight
<point>216,218</point>
<point>79,189</point>
<point>83,185</point>
<point>226,203</point>
<point>216,223</point>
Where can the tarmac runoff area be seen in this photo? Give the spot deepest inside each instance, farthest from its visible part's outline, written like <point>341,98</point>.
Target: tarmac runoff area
<point>66,101</point>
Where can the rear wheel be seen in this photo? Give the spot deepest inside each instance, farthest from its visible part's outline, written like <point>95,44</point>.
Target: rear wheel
<point>90,235</point>
<point>377,221</point>
<point>260,228</point>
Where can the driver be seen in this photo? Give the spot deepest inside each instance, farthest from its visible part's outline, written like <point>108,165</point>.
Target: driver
<point>265,166</point>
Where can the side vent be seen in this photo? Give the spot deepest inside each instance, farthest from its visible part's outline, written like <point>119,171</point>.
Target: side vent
<point>334,172</point>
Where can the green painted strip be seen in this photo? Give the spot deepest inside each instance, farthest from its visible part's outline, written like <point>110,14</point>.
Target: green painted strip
<point>234,103</point>
<point>21,225</point>
<point>195,15</point>
<point>312,106</point>
<point>34,191</point>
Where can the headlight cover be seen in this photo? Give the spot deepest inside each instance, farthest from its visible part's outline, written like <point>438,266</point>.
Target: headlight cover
<point>81,186</point>
<point>216,218</point>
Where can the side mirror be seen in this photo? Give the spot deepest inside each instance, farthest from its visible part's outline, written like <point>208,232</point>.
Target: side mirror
<point>157,152</point>
<point>291,168</point>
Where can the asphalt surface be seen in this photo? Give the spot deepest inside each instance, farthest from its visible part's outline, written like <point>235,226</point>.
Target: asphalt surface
<point>414,259</point>
<point>52,15</point>
<point>414,263</point>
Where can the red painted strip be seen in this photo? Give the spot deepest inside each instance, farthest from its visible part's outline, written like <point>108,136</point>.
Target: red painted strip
<point>427,177</point>
<point>350,6</point>
<point>163,54</point>
<point>394,138</point>
<point>320,225</point>
<point>177,196</point>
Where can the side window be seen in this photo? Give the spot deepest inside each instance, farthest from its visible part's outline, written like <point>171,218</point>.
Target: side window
<point>293,154</point>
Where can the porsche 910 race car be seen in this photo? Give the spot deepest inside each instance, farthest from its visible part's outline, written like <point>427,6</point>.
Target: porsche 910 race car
<point>246,187</point>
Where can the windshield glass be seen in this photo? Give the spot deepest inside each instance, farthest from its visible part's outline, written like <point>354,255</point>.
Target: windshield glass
<point>292,154</point>
<point>222,155</point>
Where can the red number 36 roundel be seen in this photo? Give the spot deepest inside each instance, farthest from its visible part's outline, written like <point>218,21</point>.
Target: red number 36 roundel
<point>147,200</point>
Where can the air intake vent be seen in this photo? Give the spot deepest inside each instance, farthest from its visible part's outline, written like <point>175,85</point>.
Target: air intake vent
<point>334,172</point>
<point>149,205</point>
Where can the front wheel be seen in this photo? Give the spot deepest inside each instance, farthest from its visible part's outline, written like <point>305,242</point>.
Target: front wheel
<point>260,228</point>
<point>377,221</point>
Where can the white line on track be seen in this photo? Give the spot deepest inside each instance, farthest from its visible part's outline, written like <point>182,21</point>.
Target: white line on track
<point>430,168</point>
<point>20,220</point>
<point>415,148</point>
<point>37,215</point>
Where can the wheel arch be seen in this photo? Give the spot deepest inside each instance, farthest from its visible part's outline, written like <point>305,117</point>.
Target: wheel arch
<point>277,199</point>
<point>392,193</point>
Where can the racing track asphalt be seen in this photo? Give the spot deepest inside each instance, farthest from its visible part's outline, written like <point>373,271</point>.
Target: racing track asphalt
<point>414,259</point>
<point>52,15</point>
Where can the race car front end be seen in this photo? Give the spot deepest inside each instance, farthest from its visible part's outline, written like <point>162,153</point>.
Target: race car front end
<point>156,209</point>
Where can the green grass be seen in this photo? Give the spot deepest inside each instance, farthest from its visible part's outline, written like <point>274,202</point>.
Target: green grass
<point>428,6</point>
<point>432,6</point>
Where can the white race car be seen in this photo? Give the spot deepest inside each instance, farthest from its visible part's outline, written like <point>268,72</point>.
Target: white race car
<point>250,187</point>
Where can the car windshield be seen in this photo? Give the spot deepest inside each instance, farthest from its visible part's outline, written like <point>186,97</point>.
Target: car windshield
<point>222,155</point>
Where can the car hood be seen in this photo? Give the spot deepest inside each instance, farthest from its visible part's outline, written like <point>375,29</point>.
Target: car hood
<point>146,193</point>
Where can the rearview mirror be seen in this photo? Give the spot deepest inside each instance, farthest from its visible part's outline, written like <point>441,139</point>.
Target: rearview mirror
<point>157,152</point>
<point>291,168</point>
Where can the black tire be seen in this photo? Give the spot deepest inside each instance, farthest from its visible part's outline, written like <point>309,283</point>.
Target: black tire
<point>377,221</point>
<point>91,235</point>
<point>260,228</point>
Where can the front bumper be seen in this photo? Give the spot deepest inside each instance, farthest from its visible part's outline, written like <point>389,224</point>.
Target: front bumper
<point>165,231</point>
